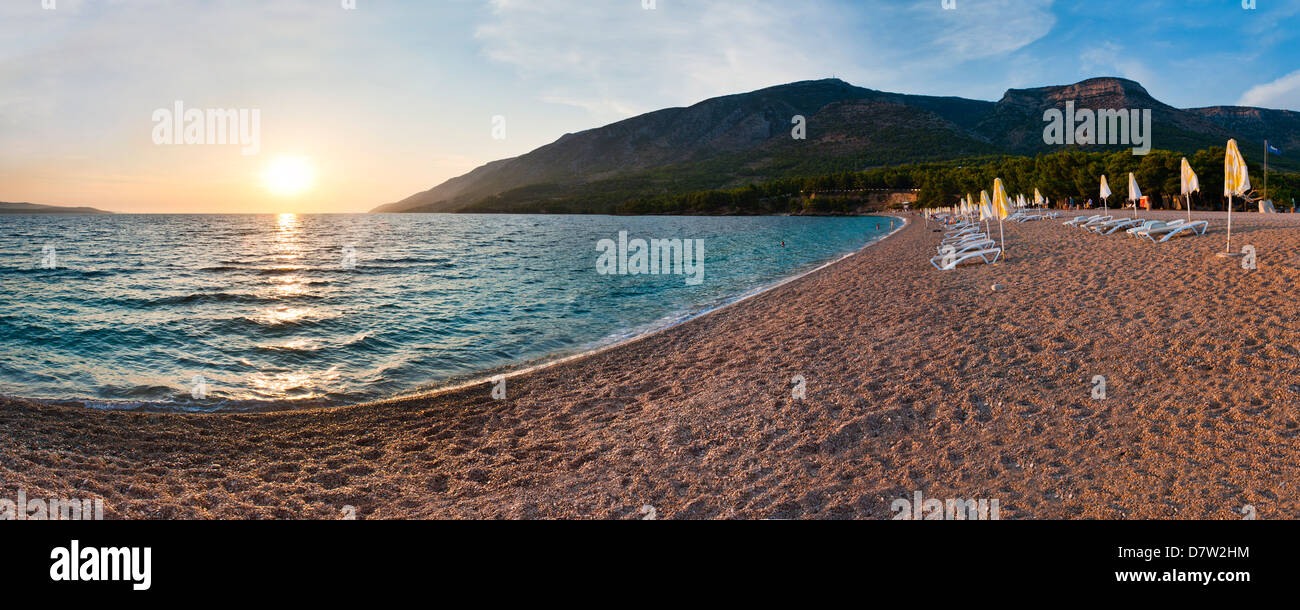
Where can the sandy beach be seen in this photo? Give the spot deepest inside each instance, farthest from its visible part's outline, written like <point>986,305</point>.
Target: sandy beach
<point>916,380</point>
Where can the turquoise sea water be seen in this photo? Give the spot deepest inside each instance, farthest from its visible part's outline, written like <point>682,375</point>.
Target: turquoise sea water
<point>212,312</point>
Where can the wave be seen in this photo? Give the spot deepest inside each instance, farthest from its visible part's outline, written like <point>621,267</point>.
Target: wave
<point>65,272</point>
<point>202,298</point>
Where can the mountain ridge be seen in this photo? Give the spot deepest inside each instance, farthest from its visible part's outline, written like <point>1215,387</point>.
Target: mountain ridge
<point>40,208</point>
<point>729,140</point>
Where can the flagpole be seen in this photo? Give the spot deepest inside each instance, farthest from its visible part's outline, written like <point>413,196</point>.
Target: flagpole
<point>1265,170</point>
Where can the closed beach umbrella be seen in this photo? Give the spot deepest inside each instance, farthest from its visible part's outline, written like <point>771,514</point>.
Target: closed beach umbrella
<point>1105,191</point>
<point>986,210</point>
<point>1190,184</point>
<point>1038,198</point>
<point>1236,182</point>
<point>1134,193</point>
<point>1001,207</point>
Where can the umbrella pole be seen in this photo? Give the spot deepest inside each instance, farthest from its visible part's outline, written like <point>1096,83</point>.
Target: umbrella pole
<point>1003,235</point>
<point>1189,207</point>
<point>1228,248</point>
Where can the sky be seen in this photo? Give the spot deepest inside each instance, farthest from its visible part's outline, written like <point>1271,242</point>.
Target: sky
<point>364,102</point>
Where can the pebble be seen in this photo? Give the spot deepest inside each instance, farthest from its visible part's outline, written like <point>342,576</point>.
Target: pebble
<point>997,287</point>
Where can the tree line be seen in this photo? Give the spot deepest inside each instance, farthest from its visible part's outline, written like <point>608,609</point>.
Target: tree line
<point>1060,176</point>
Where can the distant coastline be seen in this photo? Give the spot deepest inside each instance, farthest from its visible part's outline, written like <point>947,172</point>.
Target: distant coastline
<point>36,208</point>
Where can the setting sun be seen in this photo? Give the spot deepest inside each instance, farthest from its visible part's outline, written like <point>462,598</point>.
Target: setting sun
<point>289,176</point>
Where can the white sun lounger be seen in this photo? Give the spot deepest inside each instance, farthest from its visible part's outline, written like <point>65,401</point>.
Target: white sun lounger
<point>977,244</point>
<point>1151,224</point>
<point>967,256</point>
<point>963,237</point>
<point>1106,228</point>
<point>964,244</point>
<point>1096,220</point>
<point>1144,226</point>
<point>1078,220</point>
<point>1199,227</point>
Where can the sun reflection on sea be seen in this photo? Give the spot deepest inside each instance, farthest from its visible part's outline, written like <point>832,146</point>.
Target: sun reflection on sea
<point>293,385</point>
<point>288,230</point>
<point>291,285</point>
<point>282,315</point>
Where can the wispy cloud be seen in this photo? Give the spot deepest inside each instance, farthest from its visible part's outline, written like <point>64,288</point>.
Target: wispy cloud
<point>619,59</point>
<point>1281,93</point>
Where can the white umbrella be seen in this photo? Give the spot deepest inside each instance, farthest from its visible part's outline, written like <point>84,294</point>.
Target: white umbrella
<point>1105,192</point>
<point>1134,194</point>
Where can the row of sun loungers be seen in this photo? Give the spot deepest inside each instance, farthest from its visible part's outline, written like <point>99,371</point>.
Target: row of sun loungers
<point>964,241</point>
<point>1139,227</point>
<point>1028,216</point>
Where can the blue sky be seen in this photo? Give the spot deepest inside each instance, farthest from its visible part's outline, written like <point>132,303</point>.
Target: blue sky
<point>396,96</point>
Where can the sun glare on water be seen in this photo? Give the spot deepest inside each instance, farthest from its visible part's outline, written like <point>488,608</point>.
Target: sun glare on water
<point>289,176</point>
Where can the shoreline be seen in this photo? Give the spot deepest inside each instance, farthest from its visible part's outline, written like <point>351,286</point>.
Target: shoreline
<point>550,362</point>
<point>916,380</point>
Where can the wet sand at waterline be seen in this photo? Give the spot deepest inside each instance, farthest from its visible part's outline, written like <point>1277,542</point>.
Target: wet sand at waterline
<point>916,380</point>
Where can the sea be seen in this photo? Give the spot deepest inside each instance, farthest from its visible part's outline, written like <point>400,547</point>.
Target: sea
<point>249,312</point>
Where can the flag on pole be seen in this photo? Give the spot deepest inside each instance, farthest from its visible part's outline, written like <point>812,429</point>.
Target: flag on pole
<point>1272,149</point>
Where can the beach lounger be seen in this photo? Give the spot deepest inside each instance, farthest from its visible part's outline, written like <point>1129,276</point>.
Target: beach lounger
<point>1078,220</point>
<point>977,244</point>
<point>1029,217</point>
<point>1107,228</point>
<point>967,256</point>
<point>1198,228</point>
<point>1096,220</point>
<point>963,237</point>
<point>1150,224</point>
<point>963,244</point>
